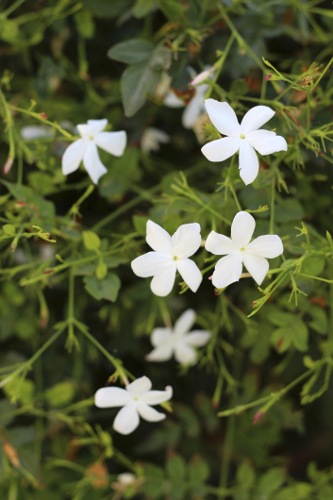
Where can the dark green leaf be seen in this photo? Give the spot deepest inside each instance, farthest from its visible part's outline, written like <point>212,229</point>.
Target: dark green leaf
<point>107,288</point>
<point>133,51</point>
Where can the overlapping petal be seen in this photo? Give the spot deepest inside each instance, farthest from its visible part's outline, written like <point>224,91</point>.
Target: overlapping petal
<point>158,238</point>
<point>150,263</point>
<point>97,126</point>
<point>190,273</point>
<point>221,149</point>
<point>227,270</point>
<point>186,240</point>
<point>218,244</point>
<point>112,142</point>
<point>127,419</point>
<point>157,397</point>
<point>185,322</point>
<point>256,117</point>
<point>161,353</point>
<point>222,117</point>
<point>242,228</point>
<point>139,386</point>
<point>198,338</point>
<point>160,336</point>
<point>92,163</point>
<point>257,266</point>
<point>73,156</point>
<point>248,163</point>
<point>148,413</point>
<point>185,354</point>
<point>193,110</point>
<point>266,142</point>
<point>109,397</point>
<point>162,283</point>
<point>269,246</point>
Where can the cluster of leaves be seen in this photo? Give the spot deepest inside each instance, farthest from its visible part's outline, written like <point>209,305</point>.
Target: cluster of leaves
<point>73,315</point>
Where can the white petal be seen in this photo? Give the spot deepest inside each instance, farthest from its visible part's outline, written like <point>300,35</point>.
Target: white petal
<point>109,397</point>
<point>185,322</point>
<point>160,353</point>
<point>112,142</point>
<point>227,270</point>
<point>92,163</point>
<point>242,228</point>
<point>256,117</point>
<point>222,117</point>
<point>266,142</point>
<point>157,397</point>
<point>97,126</point>
<point>139,386</point>
<point>269,246</point>
<point>198,338</point>
<point>172,101</point>
<point>73,156</point>
<point>221,149</point>
<point>160,336</point>
<point>162,283</point>
<point>190,273</point>
<point>256,266</point>
<point>127,419</point>
<point>149,414</point>
<point>150,263</point>
<point>185,354</point>
<point>192,111</point>
<point>158,239</point>
<point>186,240</point>
<point>248,162</point>
<point>218,244</point>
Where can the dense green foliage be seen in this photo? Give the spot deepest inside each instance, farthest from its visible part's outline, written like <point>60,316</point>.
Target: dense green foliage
<point>253,418</point>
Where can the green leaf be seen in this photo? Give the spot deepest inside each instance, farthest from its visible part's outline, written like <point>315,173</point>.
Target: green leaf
<point>271,481</point>
<point>154,478</point>
<point>9,229</point>
<point>319,322</point>
<point>91,240</point>
<point>173,10</point>
<point>313,265</point>
<point>134,51</point>
<point>107,288</point>
<point>21,390</point>
<point>198,471</point>
<point>101,270</point>
<point>140,223</point>
<point>142,8</point>
<point>85,23</point>
<point>176,467</point>
<point>60,394</point>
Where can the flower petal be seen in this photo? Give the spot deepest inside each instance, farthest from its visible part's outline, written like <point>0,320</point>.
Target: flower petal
<point>222,117</point>
<point>248,163</point>
<point>127,419</point>
<point>227,270</point>
<point>218,244</point>
<point>109,397</point>
<point>162,283</point>
<point>139,386</point>
<point>190,273</point>
<point>194,109</point>
<point>198,338</point>
<point>172,101</point>
<point>160,353</point>
<point>150,263</point>
<point>269,246</point>
<point>266,142</point>
<point>148,413</point>
<point>157,397</point>
<point>158,239</point>
<point>96,126</point>
<point>112,142</point>
<point>73,156</point>
<point>186,240</point>
<point>221,149</point>
<point>160,336</point>
<point>185,322</point>
<point>242,228</point>
<point>185,354</point>
<point>257,266</point>
<point>255,118</point>
<point>92,163</point>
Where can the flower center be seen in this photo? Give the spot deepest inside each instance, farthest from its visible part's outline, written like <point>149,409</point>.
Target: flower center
<point>242,136</point>
<point>242,249</point>
<point>91,137</point>
<point>175,257</point>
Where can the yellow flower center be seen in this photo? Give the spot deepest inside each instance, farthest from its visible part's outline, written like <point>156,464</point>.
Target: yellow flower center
<point>242,136</point>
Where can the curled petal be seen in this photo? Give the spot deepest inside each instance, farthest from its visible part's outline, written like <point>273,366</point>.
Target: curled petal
<point>139,386</point>
<point>269,246</point>
<point>190,273</point>
<point>158,239</point>
<point>160,353</point>
<point>266,142</point>
<point>242,228</point>
<point>218,244</point>
<point>222,117</point>
<point>112,142</point>
<point>193,110</point>
<point>172,101</point>
<point>97,126</point>
<point>248,163</point>
<point>185,322</point>
<point>198,338</point>
<point>92,163</point>
<point>227,270</point>
<point>150,263</point>
<point>73,156</point>
<point>256,266</point>
<point>157,397</point>
<point>186,240</point>
<point>221,149</point>
<point>160,336</point>
<point>185,354</point>
<point>127,419</point>
<point>148,413</point>
<point>109,397</point>
<point>162,283</point>
<point>256,117</point>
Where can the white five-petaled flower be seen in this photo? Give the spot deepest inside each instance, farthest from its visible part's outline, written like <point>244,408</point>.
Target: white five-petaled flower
<point>85,148</point>
<point>171,254</point>
<point>152,138</point>
<point>246,137</point>
<point>178,341</point>
<point>238,250</point>
<point>136,400</point>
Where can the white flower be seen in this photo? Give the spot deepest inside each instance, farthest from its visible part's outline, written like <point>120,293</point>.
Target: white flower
<point>33,132</point>
<point>238,251</point>
<point>169,256</point>
<point>85,149</point>
<point>178,341</point>
<point>136,400</point>
<point>244,137</point>
<point>152,138</point>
